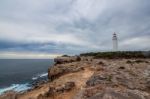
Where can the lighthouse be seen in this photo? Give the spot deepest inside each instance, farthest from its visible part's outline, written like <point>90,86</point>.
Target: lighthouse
<point>115,42</point>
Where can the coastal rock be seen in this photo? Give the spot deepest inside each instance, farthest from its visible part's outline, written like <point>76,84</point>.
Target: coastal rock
<point>132,81</point>
<point>59,70</point>
<point>114,94</point>
<point>9,95</point>
<point>98,79</point>
<point>54,73</point>
<point>50,92</point>
<point>90,78</point>
<point>66,59</point>
<point>66,87</point>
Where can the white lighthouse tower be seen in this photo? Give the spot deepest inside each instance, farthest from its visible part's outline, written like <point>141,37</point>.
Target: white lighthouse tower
<point>115,42</point>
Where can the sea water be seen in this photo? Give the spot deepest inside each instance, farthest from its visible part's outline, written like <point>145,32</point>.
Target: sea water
<point>20,74</point>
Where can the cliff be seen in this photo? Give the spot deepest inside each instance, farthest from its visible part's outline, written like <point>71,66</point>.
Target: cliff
<point>90,77</point>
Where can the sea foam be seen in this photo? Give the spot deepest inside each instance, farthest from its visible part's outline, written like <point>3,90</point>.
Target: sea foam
<point>15,87</point>
<point>39,76</point>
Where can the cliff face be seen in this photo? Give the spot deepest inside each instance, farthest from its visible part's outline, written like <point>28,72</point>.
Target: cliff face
<point>90,78</point>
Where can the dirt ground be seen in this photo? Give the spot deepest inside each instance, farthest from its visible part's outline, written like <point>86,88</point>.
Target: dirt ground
<point>79,78</point>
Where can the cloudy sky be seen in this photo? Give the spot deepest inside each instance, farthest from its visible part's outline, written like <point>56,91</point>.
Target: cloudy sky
<point>47,28</point>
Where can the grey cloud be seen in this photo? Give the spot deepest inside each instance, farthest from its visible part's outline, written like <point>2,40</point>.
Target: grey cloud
<point>74,25</point>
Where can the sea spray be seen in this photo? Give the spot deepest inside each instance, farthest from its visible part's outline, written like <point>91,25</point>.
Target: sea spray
<point>16,87</point>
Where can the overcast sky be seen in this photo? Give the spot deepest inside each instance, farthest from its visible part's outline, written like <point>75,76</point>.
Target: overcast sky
<point>30,28</point>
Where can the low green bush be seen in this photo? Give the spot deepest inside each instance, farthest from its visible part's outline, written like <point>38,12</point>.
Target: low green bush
<point>119,54</point>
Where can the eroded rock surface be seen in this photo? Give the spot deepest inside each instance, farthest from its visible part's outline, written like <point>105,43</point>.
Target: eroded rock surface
<point>90,78</point>
<point>59,70</point>
<point>57,90</point>
<point>120,80</point>
<point>66,59</point>
<point>114,78</point>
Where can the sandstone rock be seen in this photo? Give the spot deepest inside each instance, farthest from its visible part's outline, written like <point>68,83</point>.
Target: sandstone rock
<point>57,90</point>
<point>50,91</point>
<point>54,72</point>
<point>129,81</point>
<point>116,79</point>
<point>114,94</point>
<point>98,79</point>
<point>61,60</point>
<point>59,70</point>
<point>41,97</point>
<point>69,85</point>
<point>9,95</point>
<point>66,87</point>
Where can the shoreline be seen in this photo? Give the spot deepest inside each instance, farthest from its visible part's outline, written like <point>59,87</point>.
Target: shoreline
<point>86,77</point>
<point>18,74</point>
<point>23,87</point>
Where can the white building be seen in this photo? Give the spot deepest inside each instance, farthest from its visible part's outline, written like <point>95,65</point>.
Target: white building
<point>115,42</point>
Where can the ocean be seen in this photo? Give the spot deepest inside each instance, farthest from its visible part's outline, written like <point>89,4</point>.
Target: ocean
<point>21,74</point>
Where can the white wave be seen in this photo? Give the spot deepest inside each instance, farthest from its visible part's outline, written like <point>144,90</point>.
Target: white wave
<point>15,87</point>
<point>34,78</point>
<point>39,76</point>
<point>44,74</point>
